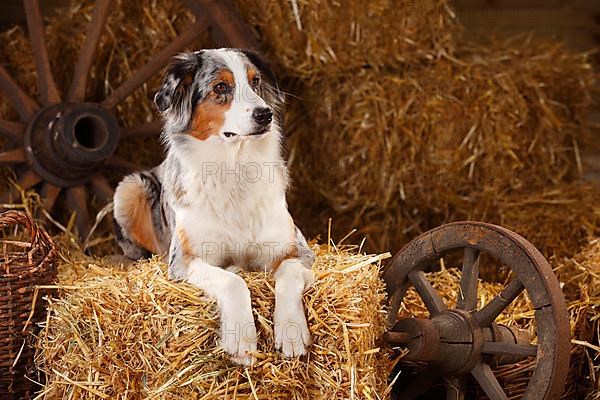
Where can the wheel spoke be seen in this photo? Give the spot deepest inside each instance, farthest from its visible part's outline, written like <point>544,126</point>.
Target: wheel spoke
<point>420,383</point>
<point>234,33</point>
<point>12,130</point>
<point>50,193</point>
<point>46,84</point>
<point>102,189</point>
<point>526,350</point>
<point>396,338</point>
<point>490,312</point>
<point>484,375</point>
<point>155,64</point>
<point>8,197</point>
<point>430,296</point>
<point>120,163</point>
<point>24,104</point>
<point>455,389</point>
<point>395,301</point>
<point>77,201</point>
<point>28,180</point>
<point>141,130</point>
<point>84,62</point>
<point>16,156</point>
<point>467,298</point>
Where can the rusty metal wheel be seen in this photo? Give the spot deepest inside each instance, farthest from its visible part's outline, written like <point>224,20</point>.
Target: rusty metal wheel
<point>64,144</point>
<point>456,343</point>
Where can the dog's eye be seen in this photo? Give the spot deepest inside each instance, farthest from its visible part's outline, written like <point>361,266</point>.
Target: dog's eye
<point>255,81</point>
<point>220,88</point>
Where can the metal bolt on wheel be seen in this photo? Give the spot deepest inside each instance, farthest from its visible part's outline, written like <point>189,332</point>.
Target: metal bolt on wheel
<point>456,343</point>
<point>64,144</point>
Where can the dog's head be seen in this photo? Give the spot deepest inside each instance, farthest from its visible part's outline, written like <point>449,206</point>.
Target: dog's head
<point>222,94</point>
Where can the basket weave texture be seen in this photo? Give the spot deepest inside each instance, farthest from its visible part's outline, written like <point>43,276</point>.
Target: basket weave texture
<point>27,259</point>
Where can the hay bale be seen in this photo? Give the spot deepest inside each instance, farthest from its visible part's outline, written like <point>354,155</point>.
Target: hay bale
<point>133,334</point>
<point>581,283</point>
<point>400,152</point>
<point>308,38</point>
<point>167,326</point>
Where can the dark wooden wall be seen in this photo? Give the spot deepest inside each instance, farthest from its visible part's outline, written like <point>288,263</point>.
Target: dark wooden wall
<point>576,22</point>
<point>11,11</point>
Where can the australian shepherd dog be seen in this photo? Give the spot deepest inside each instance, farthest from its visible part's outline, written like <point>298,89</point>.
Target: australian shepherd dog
<point>217,204</point>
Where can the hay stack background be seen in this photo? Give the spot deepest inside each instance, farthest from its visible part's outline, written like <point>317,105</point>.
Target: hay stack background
<point>310,39</point>
<point>491,135</point>
<point>133,334</point>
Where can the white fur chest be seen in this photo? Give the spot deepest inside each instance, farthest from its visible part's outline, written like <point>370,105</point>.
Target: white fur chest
<point>233,209</point>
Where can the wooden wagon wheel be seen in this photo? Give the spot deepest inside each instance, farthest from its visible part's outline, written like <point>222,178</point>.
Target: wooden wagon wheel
<point>65,143</point>
<point>455,343</point>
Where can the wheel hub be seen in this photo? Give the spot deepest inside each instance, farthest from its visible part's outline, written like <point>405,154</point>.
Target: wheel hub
<point>66,144</point>
<point>452,341</point>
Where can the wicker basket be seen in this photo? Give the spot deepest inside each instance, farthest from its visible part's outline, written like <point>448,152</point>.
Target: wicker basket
<point>23,265</point>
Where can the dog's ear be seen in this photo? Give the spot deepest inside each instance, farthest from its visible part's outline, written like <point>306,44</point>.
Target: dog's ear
<point>178,80</point>
<point>263,65</point>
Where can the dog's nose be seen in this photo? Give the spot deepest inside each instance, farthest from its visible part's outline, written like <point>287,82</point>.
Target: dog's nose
<point>262,115</point>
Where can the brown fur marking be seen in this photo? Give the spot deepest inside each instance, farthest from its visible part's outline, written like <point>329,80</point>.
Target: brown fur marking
<point>188,79</point>
<point>251,74</point>
<point>142,228</point>
<point>225,76</point>
<point>209,115</point>
<point>179,192</point>
<point>291,251</point>
<point>186,247</point>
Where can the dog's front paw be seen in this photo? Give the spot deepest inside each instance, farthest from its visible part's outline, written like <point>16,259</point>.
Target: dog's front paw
<point>291,331</point>
<point>238,338</point>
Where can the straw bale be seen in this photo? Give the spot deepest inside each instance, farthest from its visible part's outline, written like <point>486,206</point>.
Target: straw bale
<point>308,37</point>
<point>106,308</point>
<point>581,278</point>
<point>131,333</point>
<point>492,135</point>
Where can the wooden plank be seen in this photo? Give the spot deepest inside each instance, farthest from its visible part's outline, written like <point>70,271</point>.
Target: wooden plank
<point>13,12</point>
<point>526,19</point>
<point>537,4</point>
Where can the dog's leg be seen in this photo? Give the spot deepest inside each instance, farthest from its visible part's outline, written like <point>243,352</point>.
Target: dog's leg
<point>238,332</point>
<point>291,330</point>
